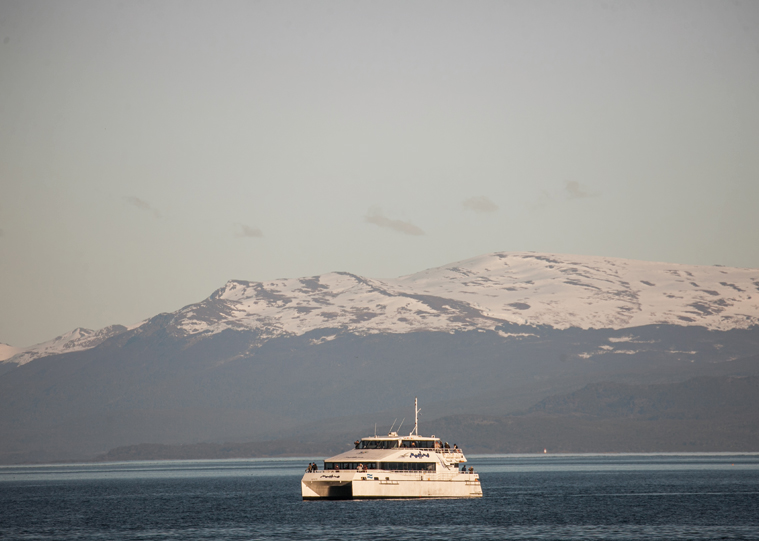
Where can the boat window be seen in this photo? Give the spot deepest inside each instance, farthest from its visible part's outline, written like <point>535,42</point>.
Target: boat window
<point>349,465</point>
<point>408,466</point>
<point>379,444</point>
<point>419,444</point>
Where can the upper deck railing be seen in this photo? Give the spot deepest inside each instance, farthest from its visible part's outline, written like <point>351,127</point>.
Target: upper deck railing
<point>438,450</point>
<point>405,472</point>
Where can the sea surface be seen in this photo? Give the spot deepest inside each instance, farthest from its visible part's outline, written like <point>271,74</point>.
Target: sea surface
<point>620,497</point>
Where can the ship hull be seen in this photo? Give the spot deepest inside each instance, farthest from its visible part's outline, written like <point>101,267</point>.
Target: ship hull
<point>389,484</point>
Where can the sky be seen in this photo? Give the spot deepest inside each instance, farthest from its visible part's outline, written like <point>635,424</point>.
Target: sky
<point>150,151</point>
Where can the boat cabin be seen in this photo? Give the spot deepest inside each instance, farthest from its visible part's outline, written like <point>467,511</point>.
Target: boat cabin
<point>393,441</point>
<point>390,466</point>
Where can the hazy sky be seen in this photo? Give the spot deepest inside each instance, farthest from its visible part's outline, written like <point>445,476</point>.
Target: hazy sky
<point>151,151</point>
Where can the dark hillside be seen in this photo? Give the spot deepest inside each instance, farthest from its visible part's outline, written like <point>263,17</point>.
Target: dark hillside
<point>705,414</point>
<point>702,414</point>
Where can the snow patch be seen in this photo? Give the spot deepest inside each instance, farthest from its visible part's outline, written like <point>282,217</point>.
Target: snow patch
<point>317,341</point>
<point>515,334</point>
<point>479,294</point>
<point>6,351</point>
<point>77,340</point>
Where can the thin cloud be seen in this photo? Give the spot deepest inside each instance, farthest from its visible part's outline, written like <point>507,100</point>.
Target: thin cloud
<point>375,216</point>
<point>480,204</point>
<point>142,205</point>
<point>543,200</point>
<point>573,190</point>
<point>247,231</point>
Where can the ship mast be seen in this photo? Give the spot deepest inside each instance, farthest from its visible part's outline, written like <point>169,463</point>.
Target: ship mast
<point>416,418</point>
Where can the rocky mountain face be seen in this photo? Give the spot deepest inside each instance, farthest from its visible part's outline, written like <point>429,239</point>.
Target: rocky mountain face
<point>482,293</point>
<point>77,340</point>
<point>485,336</point>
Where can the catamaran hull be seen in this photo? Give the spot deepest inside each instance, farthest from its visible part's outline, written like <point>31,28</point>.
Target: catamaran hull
<point>384,485</point>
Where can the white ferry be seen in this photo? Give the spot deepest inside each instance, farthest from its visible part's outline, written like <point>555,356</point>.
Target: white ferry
<point>394,466</point>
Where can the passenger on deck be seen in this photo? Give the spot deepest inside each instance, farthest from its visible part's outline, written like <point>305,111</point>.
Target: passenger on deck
<point>447,446</point>
<point>471,469</point>
<point>357,443</point>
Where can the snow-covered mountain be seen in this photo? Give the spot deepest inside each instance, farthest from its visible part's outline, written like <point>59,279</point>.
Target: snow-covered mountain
<point>77,340</point>
<point>6,351</point>
<point>485,292</point>
<point>487,336</point>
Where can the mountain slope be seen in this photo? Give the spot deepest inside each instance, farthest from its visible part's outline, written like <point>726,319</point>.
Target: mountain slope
<point>487,291</point>
<point>6,351</point>
<point>483,293</point>
<point>697,398</point>
<point>77,340</point>
<point>261,361</point>
<point>701,414</point>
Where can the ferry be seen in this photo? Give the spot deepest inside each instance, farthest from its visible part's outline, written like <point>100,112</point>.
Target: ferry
<point>394,466</point>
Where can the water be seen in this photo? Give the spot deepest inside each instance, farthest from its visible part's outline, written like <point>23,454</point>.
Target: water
<point>616,497</point>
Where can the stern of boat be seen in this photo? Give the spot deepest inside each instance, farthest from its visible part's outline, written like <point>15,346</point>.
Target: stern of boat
<point>322,485</point>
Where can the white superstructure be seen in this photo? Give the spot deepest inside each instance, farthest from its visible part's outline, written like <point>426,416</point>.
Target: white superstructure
<point>394,466</point>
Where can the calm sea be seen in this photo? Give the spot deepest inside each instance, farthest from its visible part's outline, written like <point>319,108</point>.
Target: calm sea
<point>696,496</point>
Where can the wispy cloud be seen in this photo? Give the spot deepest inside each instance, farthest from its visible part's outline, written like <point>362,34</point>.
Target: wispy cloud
<point>242,230</point>
<point>376,217</point>
<point>573,190</point>
<point>142,205</point>
<point>480,204</point>
<point>543,200</point>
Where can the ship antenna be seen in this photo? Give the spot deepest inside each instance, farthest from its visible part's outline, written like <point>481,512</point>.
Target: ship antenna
<point>391,428</point>
<point>416,417</point>
<point>400,425</point>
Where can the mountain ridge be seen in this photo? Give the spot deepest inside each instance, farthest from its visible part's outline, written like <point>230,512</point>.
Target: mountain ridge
<point>262,361</point>
<point>482,293</point>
